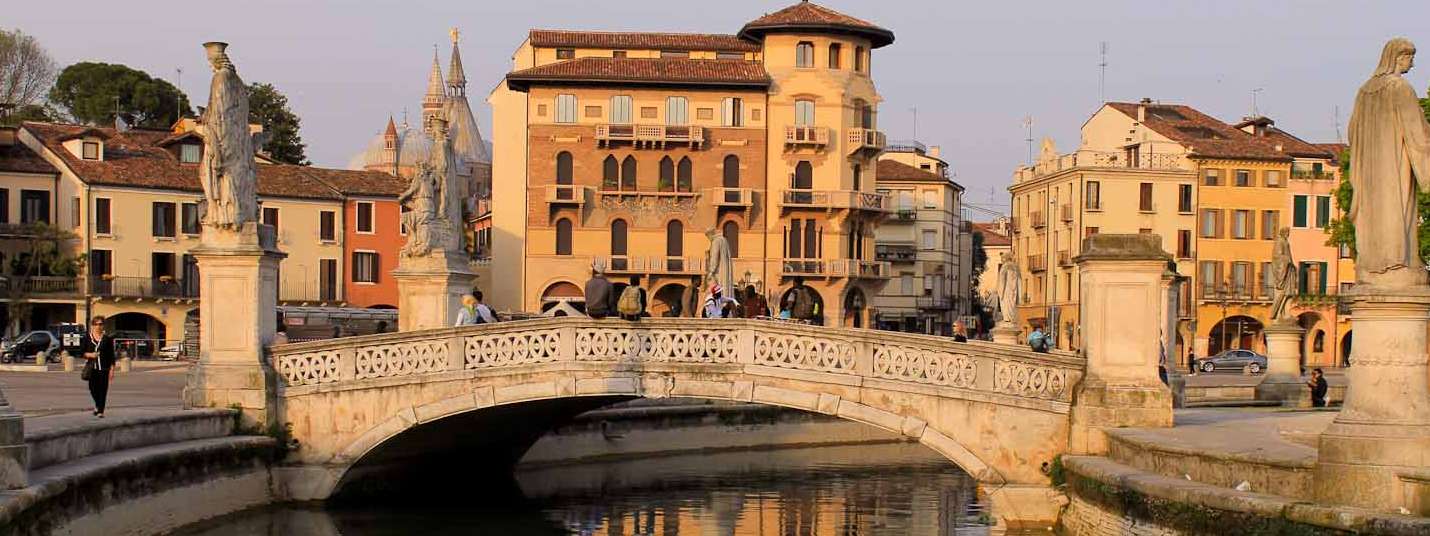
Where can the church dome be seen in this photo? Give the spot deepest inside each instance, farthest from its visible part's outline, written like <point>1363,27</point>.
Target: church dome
<point>413,146</point>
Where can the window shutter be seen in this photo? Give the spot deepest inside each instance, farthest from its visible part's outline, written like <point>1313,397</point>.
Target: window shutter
<point>157,215</point>
<point>1220,225</point>
<point>1304,271</point>
<point>1323,278</point>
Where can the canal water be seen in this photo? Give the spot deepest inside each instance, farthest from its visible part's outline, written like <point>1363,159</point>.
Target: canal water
<point>895,488</point>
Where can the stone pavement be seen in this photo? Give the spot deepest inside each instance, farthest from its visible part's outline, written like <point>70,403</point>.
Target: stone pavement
<point>1270,434</point>
<point>151,384</point>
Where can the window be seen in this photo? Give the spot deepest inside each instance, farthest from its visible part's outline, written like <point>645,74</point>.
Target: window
<point>610,173</point>
<point>618,53</point>
<point>674,238</point>
<point>1241,278</point>
<point>1209,276</point>
<point>683,180</point>
<point>1313,277</point>
<point>731,232</point>
<point>189,220</point>
<point>190,153</point>
<point>565,108</point>
<point>621,109</point>
<point>563,167</point>
<point>1270,223</point>
<point>101,215</point>
<point>565,53</point>
<point>364,217</point>
<point>906,284</point>
<point>1323,211</point>
<point>804,54</point>
<point>729,55</point>
<point>34,206</point>
<point>930,198</point>
<point>675,111</point>
<point>101,262</point>
<point>906,199</point>
<point>792,244</point>
<point>1211,177</point>
<point>731,170</point>
<point>1211,223</point>
<point>1092,199</point>
<point>1241,224</point>
<point>858,178</point>
<point>619,234</point>
<point>928,285</point>
<point>327,279</point>
<point>74,211</point>
<point>1266,283</point>
<point>1144,202</point>
<point>327,226</point>
<point>628,174</point>
<point>667,175</point>
<point>804,113</point>
<point>270,217</point>
<point>803,176</point>
<point>4,205</point>
<point>163,219</point>
<point>365,267</point>
<point>834,53</point>
<point>1184,198</point>
<point>732,111</point>
<point>1273,178</point>
<point>859,59</point>
<point>161,264</point>
<point>563,236</point>
<point>675,54</point>
<point>1299,218</point>
<point>929,239</point>
<point>1184,244</point>
<point>89,150</point>
<point>1243,177</point>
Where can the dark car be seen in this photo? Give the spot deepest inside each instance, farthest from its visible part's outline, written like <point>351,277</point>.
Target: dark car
<point>26,346</point>
<point>1235,359</point>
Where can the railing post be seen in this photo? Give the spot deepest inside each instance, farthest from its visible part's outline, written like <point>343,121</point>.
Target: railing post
<point>566,343</point>
<point>745,354</point>
<point>864,358</point>
<point>456,351</point>
<point>347,363</point>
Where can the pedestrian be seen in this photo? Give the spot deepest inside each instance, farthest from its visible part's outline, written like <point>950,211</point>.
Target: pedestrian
<point>754,304</point>
<point>280,336</point>
<point>960,332</point>
<point>1037,340</point>
<point>473,311</point>
<point>631,306</point>
<point>803,306</point>
<point>1318,388</point>
<point>1192,361</point>
<point>98,351</point>
<point>381,326</point>
<point>715,303</point>
<point>600,302</point>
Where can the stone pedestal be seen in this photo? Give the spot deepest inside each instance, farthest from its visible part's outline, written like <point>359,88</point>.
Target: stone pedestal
<point>238,294</point>
<point>1005,333</point>
<point>1283,382</point>
<point>14,453</point>
<point>1121,309</point>
<point>430,289</point>
<point>1376,454</point>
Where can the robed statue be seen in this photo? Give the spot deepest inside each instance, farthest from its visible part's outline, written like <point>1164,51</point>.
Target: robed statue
<point>227,170</point>
<point>718,266</point>
<point>419,211</point>
<point>1390,162</point>
<point>1009,283</point>
<point>432,202</point>
<point>1285,279</point>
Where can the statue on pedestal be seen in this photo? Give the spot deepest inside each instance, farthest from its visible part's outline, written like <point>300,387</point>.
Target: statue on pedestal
<point>433,216</point>
<point>1390,140</point>
<point>718,265</point>
<point>1009,286</point>
<point>227,170</point>
<point>1285,279</point>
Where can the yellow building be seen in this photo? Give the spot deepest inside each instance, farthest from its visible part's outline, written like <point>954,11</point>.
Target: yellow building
<point>628,147</point>
<point>922,243</point>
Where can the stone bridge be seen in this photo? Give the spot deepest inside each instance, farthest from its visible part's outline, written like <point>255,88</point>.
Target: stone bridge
<point>485,393</point>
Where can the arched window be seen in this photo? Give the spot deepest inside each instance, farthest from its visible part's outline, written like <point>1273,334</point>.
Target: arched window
<point>859,59</point>
<point>858,178</point>
<point>804,113</point>
<point>732,171</point>
<point>563,167</point>
<point>803,176</point>
<point>811,240</point>
<point>1318,343</point>
<point>674,246</point>
<point>731,232</point>
<point>628,174</point>
<point>563,236</point>
<point>618,238</point>
<point>610,174</point>
<point>834,53</point>
<point>683,180</point>
<point>667,175</point>
<point>804,54</point>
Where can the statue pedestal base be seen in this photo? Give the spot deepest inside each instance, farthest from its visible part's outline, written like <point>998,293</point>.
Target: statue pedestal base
<point>1005,333</point>
<point>14,453</point>
<point>238,294</point>
<point>1376,454</point>
<point>430,289</point>
<point>1283,382</point>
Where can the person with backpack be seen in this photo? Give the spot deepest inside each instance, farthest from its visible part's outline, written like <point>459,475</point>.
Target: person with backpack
<point>803,306</point>
<point>600,299</point>
<point>473,311</point>
<point>631,305</point>
<point>716,303</point>
<point>1037,340</point>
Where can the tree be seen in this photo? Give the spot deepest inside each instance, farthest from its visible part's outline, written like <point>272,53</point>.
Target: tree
<point>26,71</point>
<point>91,92</point>
<point>44,255</point>
<point>268,107</point>
<point>980,263</point>
<point>1342,232</point>
<point>28,112</point>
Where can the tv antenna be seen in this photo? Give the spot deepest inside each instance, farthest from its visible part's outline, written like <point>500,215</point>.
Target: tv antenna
<point>915,110</point>
<point>1102,74</point>
<point>1337,111</point>
<point>1254,94</point>
<point>1028,122</point>
<point>179,97</point>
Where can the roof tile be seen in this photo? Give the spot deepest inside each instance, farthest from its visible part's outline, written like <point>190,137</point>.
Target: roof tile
<point>681,71</point>
<point>641,41</point>
<point>1204,135</point>
<point>810,16</point>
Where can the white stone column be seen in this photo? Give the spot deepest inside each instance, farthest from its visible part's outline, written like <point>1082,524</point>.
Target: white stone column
<point>1376,454</point>
<point>430,289</point>
<point>1005,333</point>
<point>1283,382</point>
<point>14,453</point>
<point>1122,301</point>
<point>238,298</point>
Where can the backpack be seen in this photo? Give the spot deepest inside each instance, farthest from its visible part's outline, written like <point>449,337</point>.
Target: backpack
<point>630,302</point>
<point>803,304</point>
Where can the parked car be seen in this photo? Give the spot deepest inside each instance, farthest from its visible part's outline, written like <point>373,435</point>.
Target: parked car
<point>170,352</point>
<point>1234,359</point>
<point>133,343</point>
<point>24,347</point>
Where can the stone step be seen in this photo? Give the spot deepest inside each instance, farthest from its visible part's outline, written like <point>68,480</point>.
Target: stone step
<point>60,438</point>
<point>1238,403</point>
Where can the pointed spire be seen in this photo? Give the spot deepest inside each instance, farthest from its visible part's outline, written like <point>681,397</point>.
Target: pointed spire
<point>435,92</point>
<point>391,128</point>
<point>456,75</point>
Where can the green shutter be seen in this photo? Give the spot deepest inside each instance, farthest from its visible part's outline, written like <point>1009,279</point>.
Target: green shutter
<point>1304,271</point>
<point>1323,278</point>
<point>1323,211</point>
<point>1298,211</point>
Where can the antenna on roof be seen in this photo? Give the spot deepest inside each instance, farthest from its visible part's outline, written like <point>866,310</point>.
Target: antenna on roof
<point>1028,122</point>
<point>1102,74</point>
<point>178,95</point>
<point>915,110</point>
<point>1337,111</point>
<point>1254,93</point>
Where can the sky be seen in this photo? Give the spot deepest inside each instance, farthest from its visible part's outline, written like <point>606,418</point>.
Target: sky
<point>974,71</point>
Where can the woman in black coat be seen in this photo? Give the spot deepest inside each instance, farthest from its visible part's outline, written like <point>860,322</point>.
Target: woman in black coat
<point>98,348</point>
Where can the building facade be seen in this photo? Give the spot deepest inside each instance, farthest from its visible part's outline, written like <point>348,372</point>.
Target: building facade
<point>928,290</point>
<point>630,148</point>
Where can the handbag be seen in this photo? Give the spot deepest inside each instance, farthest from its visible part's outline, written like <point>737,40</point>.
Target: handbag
<point>88,371</point>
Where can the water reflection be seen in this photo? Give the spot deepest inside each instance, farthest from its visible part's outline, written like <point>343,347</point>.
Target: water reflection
<point>897,488</point>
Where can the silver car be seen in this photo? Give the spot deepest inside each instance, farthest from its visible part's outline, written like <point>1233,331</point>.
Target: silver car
<point>1234,359</point>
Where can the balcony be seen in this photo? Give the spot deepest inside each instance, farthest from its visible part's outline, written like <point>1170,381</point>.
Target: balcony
<point>895,253</point>
<point>864,139</point>
<point>38,286</point>
<point>906,215</point>
<point>626,265</point>
<point>304,294</point>
<point>800,136</point>
<point>938,303</point>
<point>1308,175</point>
<point>835,199</point>
<point>1102,159</point>
<point>1037,263</point>
<point>1037,220</point>
<point>566,194</point>
<point>655,136</point>
<point>1065,258</point>
<point>861,269</point>
<point>143,287</point>
<point>732,197</point>
<point>803,267</point>
<point>1067,213</point>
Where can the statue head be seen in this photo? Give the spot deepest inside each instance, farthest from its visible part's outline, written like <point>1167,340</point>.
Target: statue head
<point>1397,57</point>
<point>1284,233</point>
<point>710,233</point>
<point>218,57</point>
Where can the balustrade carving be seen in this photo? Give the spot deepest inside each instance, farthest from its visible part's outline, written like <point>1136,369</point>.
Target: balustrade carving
<point>309,368</point>
<point>803,352</point>
<point>401,359</point>
<point>681,346</point>
<point>511,348</point>
<point>923,366</point>
<point>1029,380</point>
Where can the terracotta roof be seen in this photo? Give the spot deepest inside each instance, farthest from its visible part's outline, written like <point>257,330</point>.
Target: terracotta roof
<point>991,236</point>
<point>1204,135</point>
<point>893,170</point>
<point>1289,143</point>
<point>808,16</point>
<point>653,71</point>
<point>18,158</point>
<point>134,159</point>
<point>1336,149</point>
<point>366,183</point>
<point>641,41</point>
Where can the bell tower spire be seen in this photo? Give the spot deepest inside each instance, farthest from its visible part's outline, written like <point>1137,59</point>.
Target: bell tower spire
<point>456,76</point>
<point>436,97</point>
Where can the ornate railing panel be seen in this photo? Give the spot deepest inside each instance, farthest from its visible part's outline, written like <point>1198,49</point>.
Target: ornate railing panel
<point>680,346</point>
<point>510,348</point>
<point>1029,380</point>
<point>908,363</point>
<point>401,359</point>
<point>804,352</point>
<point>309,368</point>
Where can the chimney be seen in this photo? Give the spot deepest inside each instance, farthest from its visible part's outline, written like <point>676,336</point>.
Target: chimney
<point>1142,109</point>
<point>934,151</point>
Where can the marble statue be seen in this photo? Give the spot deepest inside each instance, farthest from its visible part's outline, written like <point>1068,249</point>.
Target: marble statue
<point>1390,143</point>
<point>419,211</point>
<point>433,203</point>
<point>1286,280</point>
<point>227,170</point>
<point>990,304</point>
<point>718,266</point>
<point>1009,283</point>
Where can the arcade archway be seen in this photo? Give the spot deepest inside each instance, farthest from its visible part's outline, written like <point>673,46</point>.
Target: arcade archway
<point>1238,331</point>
